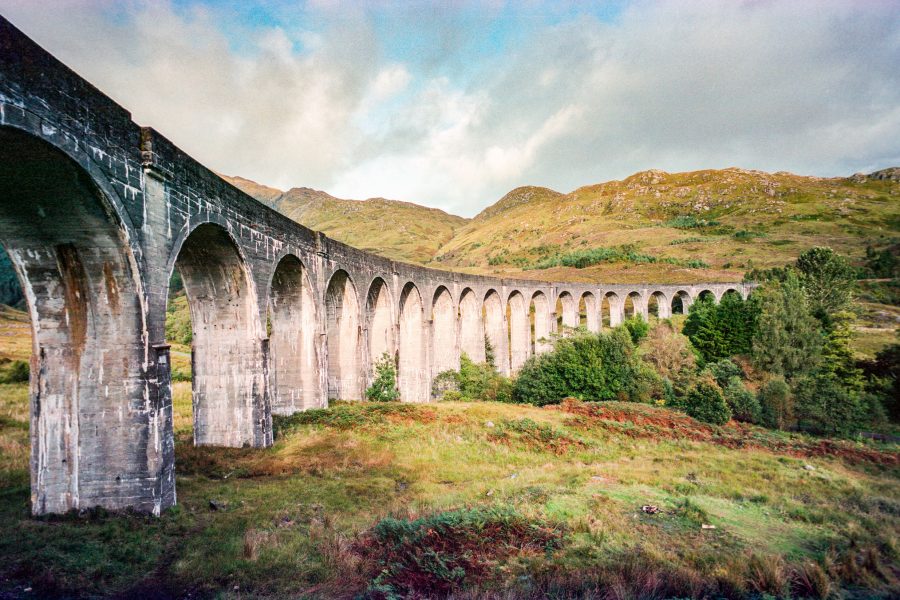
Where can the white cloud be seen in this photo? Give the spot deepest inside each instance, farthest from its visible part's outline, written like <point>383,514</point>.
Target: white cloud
<point>812,87</point>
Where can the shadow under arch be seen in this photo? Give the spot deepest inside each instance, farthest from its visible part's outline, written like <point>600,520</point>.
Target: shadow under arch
<point>541,335</point>
<point>345,378</point>
<point>228,354</point>
<point>293,352</point>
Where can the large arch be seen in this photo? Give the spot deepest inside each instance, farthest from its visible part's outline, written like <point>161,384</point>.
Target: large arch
<point>634,305</point>
<point>566,312</point>
<point>611,310</point>
<point>93,411</point>
<point>542,320</point>
<point>681,303</point>
<point>658,305</point>
<point>588,303</point>
<point>519,331</point>
<point>293,355</point>
<point>495,330</point>
<point>345,378</point>
<point>471,326</point>
<point>227,356</point>
<point>444,347</point>
<point>413,378</point>
<point>379,324</point>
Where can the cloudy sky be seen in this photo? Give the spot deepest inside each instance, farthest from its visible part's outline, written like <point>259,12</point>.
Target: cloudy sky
<point>451,104</point>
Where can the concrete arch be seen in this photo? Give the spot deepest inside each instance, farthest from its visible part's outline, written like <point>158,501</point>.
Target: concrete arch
<point>633,305</point>
<point>729,290</point>
<point>519,331</point>
<point>65,238</point>
<point>591,311</point>
<point>444,345</point>
<point>342,331</point>
<point>611,310</point>
<point>566,312</point>
<point>707,294</point>
<point>681,302</point>
<point>413,379</point>
<point>659,305</point>
<point>542,327</point>
<point>229,397</point>
<point>380,338</point>
<point>471,326</point>
<point>495,329</point>
<point>293,349</point>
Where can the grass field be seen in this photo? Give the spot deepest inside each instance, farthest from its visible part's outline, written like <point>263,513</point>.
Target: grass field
<point>554,499</point>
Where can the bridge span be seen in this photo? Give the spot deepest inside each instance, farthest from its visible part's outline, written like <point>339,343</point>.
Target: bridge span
<point>97,212</point>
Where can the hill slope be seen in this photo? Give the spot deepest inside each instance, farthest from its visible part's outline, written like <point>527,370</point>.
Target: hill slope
<point>732,219</point>
<point>653,226</point>
<point>400,230</point>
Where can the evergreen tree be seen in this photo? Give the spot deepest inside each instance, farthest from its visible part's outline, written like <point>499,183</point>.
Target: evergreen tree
<point>788,338</point>
<point>829,281</point>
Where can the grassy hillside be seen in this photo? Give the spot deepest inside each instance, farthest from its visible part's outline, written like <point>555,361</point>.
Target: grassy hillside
<point>538,502</point>
<point>400,230</point>
<point>731,219</point>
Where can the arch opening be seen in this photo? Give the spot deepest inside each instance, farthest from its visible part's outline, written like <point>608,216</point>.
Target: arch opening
<point>90,423</point>
<point>293,355</point>
<point>345,381</point>
<point>681,302</point>
<point>495,334</point>
<point>519,331</point>
<point>658,306</point>
<point>540,308</point>
<point>444,346</point>
<point>379,324</point>
<point>471,327</point>
<point>413,379</point>
<point>632,305</point>
<point>566,313</point>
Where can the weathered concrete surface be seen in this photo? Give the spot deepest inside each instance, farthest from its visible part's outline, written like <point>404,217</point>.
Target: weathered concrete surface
<point>96,212</point>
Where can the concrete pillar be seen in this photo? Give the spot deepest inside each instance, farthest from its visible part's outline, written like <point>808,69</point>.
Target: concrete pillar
<point>519,332</point>
<point>471,327</point>
<point>569,310</point>
<point>495,330</point>
<point>293,355</point>
<point>664,306</point>
<point>345,373</point>
<point>542,323</point>
<point>444,345</point>
<point>616,309</point>
<point>413,377</point>
<point>592,311</point>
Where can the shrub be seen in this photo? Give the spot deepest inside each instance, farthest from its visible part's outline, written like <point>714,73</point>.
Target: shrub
<point>473,381</point>
<point>723,370</point>
<point>721,330</point>
<point>15,371</point>
<point>587,366</point>
<point>637,327</point>
<point>178,321</point>
<point>384,386</point>
<point>668,352</point>
<point>776,403</point>
<point>822,404</point>
<point>742,402</point>
<point>704,402</point>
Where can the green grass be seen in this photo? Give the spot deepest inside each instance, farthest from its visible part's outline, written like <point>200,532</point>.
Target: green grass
<point>300,518</point>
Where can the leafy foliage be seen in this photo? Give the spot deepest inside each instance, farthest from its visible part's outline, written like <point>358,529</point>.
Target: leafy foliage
<point>587,366</point>
<point>788,339</point>
<point>742,402</point>
<point>384,386</point>
<point>705,402</point>
<point>14,371</point>
<point>669,352</point>
<point>637,328</point>
<point>829,281</point>
<point>581,259</point>
<point>722,330</point>
<point>472,382</point>
<point>776,403</point>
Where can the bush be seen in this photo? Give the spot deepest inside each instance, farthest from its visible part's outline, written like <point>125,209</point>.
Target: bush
<point>384,387</point>
<point>668,352</point>
<point>776,404</point>
<point>722,330</point>
<point>637,327</point>
<point>587,366</point>
<point>472,382</point>
<point>742,402</point>
<point>823,405</point>
<point>724,370</point>
<point>704,402</point>
<point>15,371</point>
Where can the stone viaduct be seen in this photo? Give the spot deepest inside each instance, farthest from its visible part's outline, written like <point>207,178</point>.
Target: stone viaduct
<point>96,212</point>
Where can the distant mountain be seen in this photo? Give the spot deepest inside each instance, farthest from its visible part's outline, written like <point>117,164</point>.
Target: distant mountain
<point>651,226</point>
<point>400,230</point>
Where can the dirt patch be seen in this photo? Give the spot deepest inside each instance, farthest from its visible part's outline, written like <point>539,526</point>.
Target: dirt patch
<point>535,436</point>
<point>644,421</point>
<point>435,555</point>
